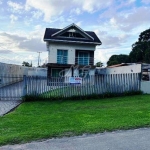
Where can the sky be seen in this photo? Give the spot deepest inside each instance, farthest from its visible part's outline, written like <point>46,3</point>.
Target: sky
<point>117,23</point>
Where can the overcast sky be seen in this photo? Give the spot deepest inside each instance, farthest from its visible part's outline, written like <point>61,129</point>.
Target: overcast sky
<point>117,23</point>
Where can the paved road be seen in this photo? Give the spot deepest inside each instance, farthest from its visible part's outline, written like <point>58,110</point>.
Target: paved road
<point>137,139</point>
<point>6,106</point>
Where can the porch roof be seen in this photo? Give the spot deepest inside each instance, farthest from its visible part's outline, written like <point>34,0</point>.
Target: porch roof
<point>55,65</point>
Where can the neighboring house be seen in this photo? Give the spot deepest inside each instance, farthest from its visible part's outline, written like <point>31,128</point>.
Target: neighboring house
<point>68,47</point>
<point>124,68</point>
<point>146,72</point>
<point>120,65</point>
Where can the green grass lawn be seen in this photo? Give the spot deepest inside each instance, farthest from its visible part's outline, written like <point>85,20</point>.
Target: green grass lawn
<point>40,120</point>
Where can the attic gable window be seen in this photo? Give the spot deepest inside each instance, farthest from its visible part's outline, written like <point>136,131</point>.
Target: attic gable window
<point>72,33</point>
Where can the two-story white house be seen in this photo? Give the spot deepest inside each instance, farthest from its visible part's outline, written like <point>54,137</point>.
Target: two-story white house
<point>70,51</point>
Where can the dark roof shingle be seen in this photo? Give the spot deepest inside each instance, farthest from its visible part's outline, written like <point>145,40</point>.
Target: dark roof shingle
<point>50,31</point>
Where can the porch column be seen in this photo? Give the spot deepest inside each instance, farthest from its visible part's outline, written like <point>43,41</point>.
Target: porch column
<point>72,71</point>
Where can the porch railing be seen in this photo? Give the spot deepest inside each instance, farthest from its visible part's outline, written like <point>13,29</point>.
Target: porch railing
<point>84,61</point>
<point>62,59</point>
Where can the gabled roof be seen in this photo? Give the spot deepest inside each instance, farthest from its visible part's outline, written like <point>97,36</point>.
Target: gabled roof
<point>54,35</point>
<point>68,27</point>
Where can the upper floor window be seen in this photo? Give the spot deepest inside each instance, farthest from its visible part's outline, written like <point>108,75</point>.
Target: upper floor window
<point>83,58</point>
<point>62,56</point>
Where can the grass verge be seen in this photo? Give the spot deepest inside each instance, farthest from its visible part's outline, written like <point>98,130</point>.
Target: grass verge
<point>45,119</point>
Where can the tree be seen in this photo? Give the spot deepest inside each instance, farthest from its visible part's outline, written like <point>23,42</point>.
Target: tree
<point>43,66</point>
<point>26,64</point>
<point>141,49</point>
<point>118,59</point>
<point>99,64</point>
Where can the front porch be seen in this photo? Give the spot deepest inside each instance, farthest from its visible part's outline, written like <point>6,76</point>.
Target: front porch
<point>60,70</point>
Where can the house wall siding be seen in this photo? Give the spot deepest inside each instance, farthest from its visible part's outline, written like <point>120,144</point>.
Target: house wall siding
<point>52,58</point>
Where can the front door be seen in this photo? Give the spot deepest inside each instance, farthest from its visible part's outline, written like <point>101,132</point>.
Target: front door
<point>56,72</point>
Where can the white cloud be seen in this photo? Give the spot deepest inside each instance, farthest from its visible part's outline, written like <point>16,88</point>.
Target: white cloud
<point>22,43</point>
<point>120,31</point>
<point>37,14</point>
<point>103,55</point>
<point>1,1</point>
<point>114,23</point>
<point>124,21</point>
<point>15,6</point>
<point>38,27</point>
<point>4,51</point>
<point>55,8</point>
<point>13,18</point>
<point>111,41</point>
<point>132,1</point>
<point>10,41</point>
<point>146,1</point>
<point>93,5</point>
<point>79,23</point>
<point>137,18</point>
<point>34,44</point>
<point>118,26</point>
<point>49,8</point>
<point>76,11</point>
<point>17,48</point>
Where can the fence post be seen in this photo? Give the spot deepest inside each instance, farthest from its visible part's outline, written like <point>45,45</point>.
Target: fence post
<point>140,80</point>
<point>24,85</point>
<point>140,76</point>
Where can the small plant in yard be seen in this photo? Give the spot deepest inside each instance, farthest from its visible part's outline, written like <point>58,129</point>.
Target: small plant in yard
<point>30,97</point>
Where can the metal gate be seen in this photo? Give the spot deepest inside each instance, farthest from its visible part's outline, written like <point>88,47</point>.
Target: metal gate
<point>11,87</point>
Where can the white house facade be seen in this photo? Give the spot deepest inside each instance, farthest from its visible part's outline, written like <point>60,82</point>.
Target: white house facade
<point>70,51</point>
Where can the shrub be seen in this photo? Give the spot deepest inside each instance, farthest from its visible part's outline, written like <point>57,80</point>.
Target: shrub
<point>36,97</point>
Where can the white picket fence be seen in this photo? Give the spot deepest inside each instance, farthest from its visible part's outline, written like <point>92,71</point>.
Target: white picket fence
<point>15,87</point>
<point>97,84</point>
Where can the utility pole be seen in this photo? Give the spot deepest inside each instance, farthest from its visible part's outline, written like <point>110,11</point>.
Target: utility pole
<point>39,59</point>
